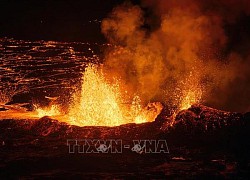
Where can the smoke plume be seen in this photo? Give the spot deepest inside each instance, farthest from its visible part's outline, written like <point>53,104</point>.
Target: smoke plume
<point>164,48</point>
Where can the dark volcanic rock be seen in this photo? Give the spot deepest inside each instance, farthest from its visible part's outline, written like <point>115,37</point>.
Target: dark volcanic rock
<point>32,148</point>
<point>208,118</point>
<point>201,122</point>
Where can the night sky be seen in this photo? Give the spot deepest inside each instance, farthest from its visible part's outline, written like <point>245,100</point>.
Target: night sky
<point>67,20</point>
<point>60,20</point>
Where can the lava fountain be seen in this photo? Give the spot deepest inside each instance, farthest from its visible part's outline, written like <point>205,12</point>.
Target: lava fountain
<point>191,92</point>
<point>52,110</point>
<point>100,103</point>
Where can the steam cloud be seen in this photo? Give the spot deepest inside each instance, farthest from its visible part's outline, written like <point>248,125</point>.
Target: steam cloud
<point>163,46</point>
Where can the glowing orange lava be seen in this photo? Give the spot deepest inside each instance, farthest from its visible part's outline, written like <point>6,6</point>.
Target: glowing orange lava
<point>100,103</point>
<point>53,110</point>
<point>191,92</point>
<point>190,97</point>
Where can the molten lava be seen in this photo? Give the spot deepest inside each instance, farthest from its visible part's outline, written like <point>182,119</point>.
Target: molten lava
<point>53,110</point>
<point>97,103</point>
<point>100,103</point>
<point>191,92</point>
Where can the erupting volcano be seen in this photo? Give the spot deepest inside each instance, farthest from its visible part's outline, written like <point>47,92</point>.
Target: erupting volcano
<point>163,93</point>
<point>100,103</point>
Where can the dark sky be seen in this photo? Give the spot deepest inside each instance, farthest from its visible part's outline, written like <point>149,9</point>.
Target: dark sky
<point>63,20</point>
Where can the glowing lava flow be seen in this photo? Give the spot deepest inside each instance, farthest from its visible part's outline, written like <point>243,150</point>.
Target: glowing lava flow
<point>100,103</point>
<point>53,110</point>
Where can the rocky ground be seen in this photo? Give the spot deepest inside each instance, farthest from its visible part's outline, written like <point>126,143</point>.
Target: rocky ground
<point>203,143</point>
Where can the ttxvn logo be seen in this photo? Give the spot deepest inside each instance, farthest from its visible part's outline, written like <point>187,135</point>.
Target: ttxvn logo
<point>116,146</point>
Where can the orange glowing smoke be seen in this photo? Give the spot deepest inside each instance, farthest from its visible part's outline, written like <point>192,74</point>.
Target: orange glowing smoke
<point>158,43</point>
